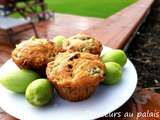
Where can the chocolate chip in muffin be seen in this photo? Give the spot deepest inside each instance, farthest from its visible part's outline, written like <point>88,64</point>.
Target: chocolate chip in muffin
<point>77,77</point>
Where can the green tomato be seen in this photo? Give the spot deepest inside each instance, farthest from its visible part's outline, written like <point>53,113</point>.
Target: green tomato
<point>39,92</point>
<point>18,80</point>
<point>59,40</point>
<point>113,73</point>
<point>117,56</point>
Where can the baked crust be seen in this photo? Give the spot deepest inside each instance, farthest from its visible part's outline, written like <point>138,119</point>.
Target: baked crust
<point>75,75</point>
<point>83,43</point>
<point>35,53</point>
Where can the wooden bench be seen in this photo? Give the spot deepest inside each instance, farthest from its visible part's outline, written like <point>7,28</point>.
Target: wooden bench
<point>117,30</point>
<point>7,24</point>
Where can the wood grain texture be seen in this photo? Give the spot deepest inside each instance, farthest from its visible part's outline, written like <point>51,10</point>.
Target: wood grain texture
<point>116,30</point>
<point>62,24</point>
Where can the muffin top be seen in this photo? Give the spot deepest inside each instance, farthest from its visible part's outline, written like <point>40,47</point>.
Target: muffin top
<point>83,43</point>
<point>75,69</point>
<point>34,53</point>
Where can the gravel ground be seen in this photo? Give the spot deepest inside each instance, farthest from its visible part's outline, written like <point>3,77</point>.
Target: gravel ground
<point>144,51</point>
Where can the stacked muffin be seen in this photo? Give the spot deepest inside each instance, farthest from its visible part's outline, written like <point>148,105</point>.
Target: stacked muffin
<point>83,43</point>
<point>75,70</point>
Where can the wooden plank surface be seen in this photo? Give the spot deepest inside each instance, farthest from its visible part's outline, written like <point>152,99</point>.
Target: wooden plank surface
<point>62,24</point>
<point>116,30</point>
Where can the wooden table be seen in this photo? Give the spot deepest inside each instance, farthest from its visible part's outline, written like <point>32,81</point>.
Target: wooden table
<point>115,31</point>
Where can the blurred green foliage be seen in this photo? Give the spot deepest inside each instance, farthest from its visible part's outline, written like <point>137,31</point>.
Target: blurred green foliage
<point>95,8</point>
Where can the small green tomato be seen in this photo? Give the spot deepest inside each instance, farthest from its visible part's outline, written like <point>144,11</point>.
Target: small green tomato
<point>39,92</point>
<point>59,40</point>
<point>117,56</point>
<point>18,80</point>
<point>113,73</point>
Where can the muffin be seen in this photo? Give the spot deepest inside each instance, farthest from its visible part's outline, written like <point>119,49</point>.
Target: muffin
<point>75,75</point>
<point>35,54</point>
<point>83,43</point>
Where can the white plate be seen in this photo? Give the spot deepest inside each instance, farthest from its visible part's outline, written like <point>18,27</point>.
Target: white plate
<point>105,100</point>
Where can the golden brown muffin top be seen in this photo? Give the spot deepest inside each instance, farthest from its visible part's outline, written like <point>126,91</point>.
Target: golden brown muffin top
<point>75,69</point>
<point>83,43</point>
<point>35,52</point>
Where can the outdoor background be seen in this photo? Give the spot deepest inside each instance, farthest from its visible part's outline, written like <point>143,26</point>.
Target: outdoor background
<point>95,8</point>
<point>92,8</point>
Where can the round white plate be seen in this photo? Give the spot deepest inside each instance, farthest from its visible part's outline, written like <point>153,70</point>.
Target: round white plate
<point>106,99</point>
